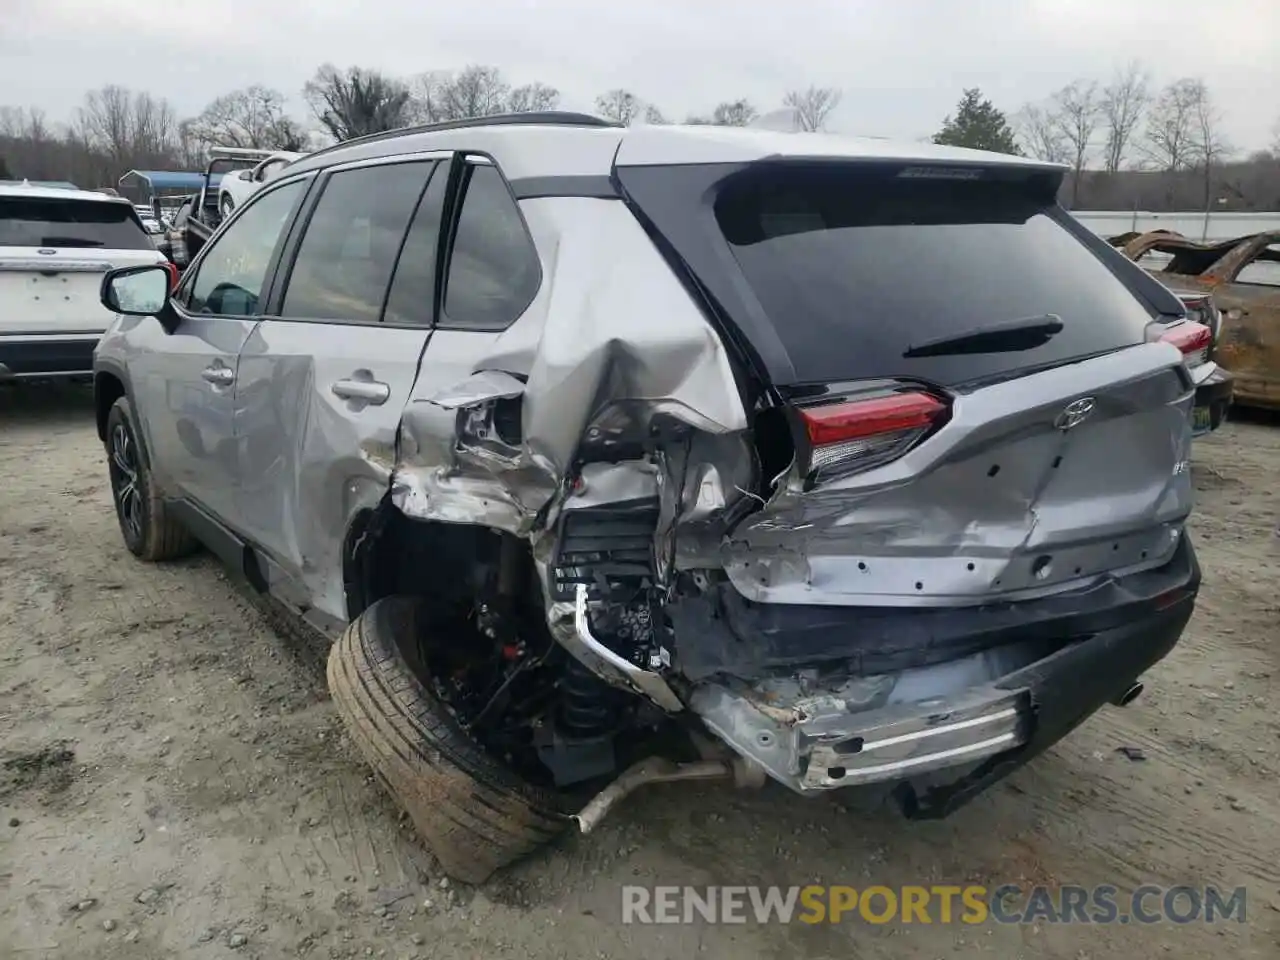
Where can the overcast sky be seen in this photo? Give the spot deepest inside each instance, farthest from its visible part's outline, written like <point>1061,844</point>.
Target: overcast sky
<point>901,63</point>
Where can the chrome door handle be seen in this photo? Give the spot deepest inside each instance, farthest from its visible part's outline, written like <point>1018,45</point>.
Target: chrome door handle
<point>371,392</point>
<point>219,376</point>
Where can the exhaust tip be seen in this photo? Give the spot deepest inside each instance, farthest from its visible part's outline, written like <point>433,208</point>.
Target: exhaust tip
<point>1131,694</point>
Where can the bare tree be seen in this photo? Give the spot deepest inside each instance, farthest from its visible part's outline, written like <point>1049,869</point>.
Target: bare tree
<point>252,117</point>
<point>476,91</point>
<point>1124,101</point>
<point>730,113</point>
<point>1076,109</point>
<point>106,120</point>
<point>1169,140</point>
<point>188,147</point>
<point>355,102</point>
<point>127,129</point>
<point>1208,146</point>
<point>29,125</point>
<point>1040,133</point>
<point>426,96</point>
<point>12,122</point>
<point>532,97</point>
<point>812,106</point>
<point>38,129</point>
<point>734,113</point>
<point>154,129</point>
<point>652,115</point>
<point>620,106</point>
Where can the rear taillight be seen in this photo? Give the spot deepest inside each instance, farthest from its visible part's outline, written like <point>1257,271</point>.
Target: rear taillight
<point>1195,305</point>
<point>847,436</point>
<point>1193,339</point>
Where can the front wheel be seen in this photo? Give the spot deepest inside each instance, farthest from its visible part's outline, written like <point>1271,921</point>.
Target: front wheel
<point>227,205</point>
<point>473,812</point>
<point>148,531</point>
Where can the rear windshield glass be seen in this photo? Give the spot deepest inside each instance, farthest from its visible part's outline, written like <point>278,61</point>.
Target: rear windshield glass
<point>856,266</point>
<point>38,222</point>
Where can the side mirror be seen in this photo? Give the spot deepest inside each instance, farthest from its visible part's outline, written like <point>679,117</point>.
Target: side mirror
<point>141,291</point>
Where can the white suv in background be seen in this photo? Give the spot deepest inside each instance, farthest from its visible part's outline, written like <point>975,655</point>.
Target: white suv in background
<point>55,246</point>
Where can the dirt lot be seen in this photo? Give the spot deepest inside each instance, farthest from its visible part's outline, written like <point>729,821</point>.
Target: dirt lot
<point>174,782</point>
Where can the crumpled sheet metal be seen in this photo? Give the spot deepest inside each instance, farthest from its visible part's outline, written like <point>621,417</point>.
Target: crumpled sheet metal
<point>620,329</point>
<point>619,343</point>
<point>481,387</point>
<point>937,528</point>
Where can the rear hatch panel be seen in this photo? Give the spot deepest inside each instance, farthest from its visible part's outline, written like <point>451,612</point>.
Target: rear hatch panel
<point>827,275</point>
<point>1002,502</point>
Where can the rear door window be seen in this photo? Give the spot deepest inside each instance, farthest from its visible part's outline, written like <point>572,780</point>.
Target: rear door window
<point>92,224</point>
<point>351,242</point>
<point>411,301</point>
<point>854,266</point>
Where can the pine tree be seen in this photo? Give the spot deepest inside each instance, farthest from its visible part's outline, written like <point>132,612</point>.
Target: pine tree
<point>978,124</point>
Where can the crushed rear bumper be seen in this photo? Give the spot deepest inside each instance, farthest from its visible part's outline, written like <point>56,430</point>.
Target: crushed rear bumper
<point>944,731</point>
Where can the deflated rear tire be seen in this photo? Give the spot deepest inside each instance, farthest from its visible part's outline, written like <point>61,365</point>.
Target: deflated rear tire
<point>474,813</point>
<point>148,530</point>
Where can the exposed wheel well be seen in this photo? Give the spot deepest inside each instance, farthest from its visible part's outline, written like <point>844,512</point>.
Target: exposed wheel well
<point>107,389</point>
<point>450,564</point>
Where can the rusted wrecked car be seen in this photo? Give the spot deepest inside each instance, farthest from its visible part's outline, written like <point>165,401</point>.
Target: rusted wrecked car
<point>1242,279</point>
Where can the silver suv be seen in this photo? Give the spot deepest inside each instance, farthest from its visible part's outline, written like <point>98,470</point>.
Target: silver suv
<point>621,455</point>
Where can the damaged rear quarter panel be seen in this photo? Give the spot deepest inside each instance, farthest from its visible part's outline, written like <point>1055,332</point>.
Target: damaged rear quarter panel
<point>611,339</point>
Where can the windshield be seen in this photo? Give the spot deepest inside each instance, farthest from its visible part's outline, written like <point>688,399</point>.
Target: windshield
<point>855,266</point>
<point>45,222</point>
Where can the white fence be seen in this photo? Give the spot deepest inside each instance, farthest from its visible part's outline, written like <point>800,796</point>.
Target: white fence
<point>1197,226</point>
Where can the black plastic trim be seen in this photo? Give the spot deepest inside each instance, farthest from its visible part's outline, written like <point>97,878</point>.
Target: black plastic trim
<point>216,536</point>
<point>47,355</point>
<point>723,633</point>
<point>1066,688</point>
<point>534,188</point>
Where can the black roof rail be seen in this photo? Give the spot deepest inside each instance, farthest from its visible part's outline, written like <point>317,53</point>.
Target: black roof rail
<point>546,118</point>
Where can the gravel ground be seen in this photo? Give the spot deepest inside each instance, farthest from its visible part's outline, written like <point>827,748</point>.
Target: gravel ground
<point>175,782</point>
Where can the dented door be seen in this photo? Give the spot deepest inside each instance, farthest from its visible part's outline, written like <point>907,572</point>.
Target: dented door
<point>323,383</point>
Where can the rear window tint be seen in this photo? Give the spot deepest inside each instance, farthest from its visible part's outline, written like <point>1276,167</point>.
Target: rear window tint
<point>853,266</point>
<point>40,222</point>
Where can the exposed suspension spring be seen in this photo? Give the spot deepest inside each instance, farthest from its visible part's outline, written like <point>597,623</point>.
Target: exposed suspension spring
<point>588,707</point>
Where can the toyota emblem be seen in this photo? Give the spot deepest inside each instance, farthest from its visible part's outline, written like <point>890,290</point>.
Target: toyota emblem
<point>1074,413</point>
